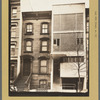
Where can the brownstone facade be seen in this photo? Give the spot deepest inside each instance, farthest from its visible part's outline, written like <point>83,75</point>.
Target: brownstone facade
<point>36,48</point>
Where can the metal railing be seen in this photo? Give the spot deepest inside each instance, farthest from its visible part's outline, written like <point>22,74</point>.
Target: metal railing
<point>27,82</point>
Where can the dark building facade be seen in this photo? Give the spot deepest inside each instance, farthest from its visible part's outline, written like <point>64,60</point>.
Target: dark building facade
<point>36,48</point>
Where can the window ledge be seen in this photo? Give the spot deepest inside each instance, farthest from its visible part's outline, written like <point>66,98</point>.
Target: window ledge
<point>44,33</point>
<point>28,51</point>
<point>29,33</point>
<point>44,74</point>
<point>44,51</point>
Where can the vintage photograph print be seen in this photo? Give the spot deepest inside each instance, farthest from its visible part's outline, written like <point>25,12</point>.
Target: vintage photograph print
<point>48,48</point>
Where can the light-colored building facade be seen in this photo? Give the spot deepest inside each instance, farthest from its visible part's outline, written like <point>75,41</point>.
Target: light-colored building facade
<point>15,39</point>
<point>69,47</point>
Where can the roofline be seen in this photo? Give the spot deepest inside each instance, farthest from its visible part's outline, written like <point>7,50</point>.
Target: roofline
<point>68,4</point>
<point>37,11</point>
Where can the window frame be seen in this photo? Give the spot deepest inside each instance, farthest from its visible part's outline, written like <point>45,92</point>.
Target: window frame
<point>14,14</point>
<point>30,32</point>
<point>56,42</point>
<point>72,59</point>
<point>47,40</point>
<point>79,41</point>
<point>43,66</point>
<point>13,29</point>
<point>13,62</point>
<point>25,45</point>
<point>44,28</point>
<point>43,80</point>
<point>13,49</point>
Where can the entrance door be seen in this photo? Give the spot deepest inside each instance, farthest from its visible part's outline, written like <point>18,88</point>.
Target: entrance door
<point>26,67</point>
<point>56,72</point>
<point>71,83</point>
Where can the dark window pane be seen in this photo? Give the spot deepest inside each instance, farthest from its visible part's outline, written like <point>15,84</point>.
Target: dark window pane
<point>58,42</point>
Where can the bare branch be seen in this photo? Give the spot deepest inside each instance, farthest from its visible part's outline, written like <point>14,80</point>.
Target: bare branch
<point>82,68</point>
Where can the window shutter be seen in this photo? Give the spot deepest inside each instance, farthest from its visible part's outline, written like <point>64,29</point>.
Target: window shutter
<point>54,41</point>
<point>58,42</point>
<point>25,28</point>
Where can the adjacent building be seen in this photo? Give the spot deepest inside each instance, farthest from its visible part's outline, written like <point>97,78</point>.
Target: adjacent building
<point>69,47</point>
<point>15,39</point>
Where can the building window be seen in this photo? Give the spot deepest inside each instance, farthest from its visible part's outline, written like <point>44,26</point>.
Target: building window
<point>12,71</point>
<point>14,11</point>
<point>80,41</point>
<point>12,68</point>
<point>13,31</point>
<point>44,46</point>
<point>87,29</point>
<point>13,49</point>
<point>29,28</point>
<point>28,45</point>
<point>45,28</point>
<point>56,42</point>
<point>43,84</point>
<point>43,66</point>
<point>73,59</point>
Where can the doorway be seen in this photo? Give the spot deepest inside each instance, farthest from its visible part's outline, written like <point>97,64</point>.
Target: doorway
<point>26,67</point>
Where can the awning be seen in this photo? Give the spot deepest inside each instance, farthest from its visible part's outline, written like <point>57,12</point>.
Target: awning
<point>57,56</point>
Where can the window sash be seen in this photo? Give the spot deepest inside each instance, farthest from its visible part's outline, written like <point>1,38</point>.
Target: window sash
<point>43,69</point>
<point>28,49</point>
<point>45,28</point>
<point>28,45</point>
<point>43,63</point>
<point>14,11</point>
<point>43,66</point>
<point>13,31</point>
<point>29,27</point>
<point>43,83</point>
<point>44,46</point>
<point>12,51</point>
